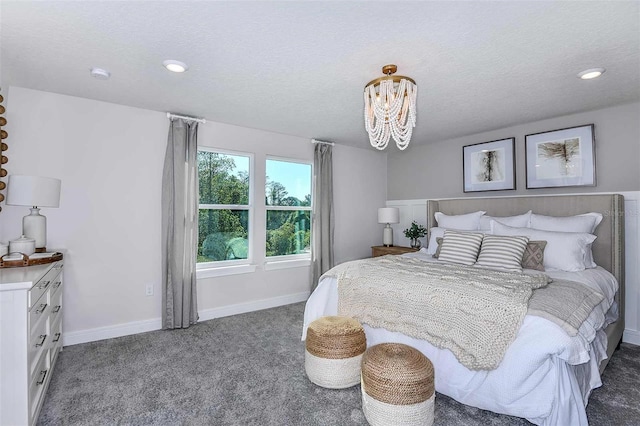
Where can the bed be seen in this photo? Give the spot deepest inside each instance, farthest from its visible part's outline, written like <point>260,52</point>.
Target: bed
<point>545,376</point>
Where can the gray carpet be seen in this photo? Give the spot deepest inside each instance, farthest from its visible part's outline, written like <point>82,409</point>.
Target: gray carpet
<point>249,370</point>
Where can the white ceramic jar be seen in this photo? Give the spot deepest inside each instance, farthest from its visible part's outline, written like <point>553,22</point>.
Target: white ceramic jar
<point>23,245</point>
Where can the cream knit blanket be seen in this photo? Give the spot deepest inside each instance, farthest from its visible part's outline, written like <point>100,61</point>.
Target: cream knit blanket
<point>473,312</point>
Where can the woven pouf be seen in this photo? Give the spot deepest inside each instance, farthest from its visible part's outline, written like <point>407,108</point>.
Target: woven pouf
<point>397,386</point>
<point>334,349</point>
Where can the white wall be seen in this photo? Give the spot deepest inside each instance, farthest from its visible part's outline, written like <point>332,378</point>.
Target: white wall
<point>359,189</point>
<point>110,160</point>
<point>435,170</point>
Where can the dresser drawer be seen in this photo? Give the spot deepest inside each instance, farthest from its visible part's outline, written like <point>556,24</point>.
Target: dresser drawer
<point>55,342</point>
<point>37,387</point>
<point>55,303</point>
<point>39,312</point>
<point>57,283</point>
<point>38,342</point>
<point>37,291</point>
<point>56,334</point>
<point>44,283</point>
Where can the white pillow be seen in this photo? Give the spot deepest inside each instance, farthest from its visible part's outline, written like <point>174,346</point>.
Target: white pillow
<point>565,251</point>
<point>586,223</point>
<point>460,247</point>
<point>463,222</point>
<point>503,252</point>
<point>518,221</point>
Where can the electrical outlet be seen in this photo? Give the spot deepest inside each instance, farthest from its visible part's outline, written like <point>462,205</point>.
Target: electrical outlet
<point>149,290</point>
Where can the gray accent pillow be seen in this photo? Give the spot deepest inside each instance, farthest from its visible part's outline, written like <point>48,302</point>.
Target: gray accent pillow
<point>439,242</point>
<point>533,257</point>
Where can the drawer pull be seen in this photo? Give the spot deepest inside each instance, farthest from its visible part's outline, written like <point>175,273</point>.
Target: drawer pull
<point>44,285</point>
<point>56,309</point>
<point>41,308</point>
<point>42,338</point>
<point>43,374</point>
<point>56,284</point>
<point>57,337</point>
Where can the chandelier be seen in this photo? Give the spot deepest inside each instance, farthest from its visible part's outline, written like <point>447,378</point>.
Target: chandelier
<point>390,109</point>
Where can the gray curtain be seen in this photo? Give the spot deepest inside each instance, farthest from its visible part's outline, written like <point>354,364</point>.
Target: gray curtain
<point>180,225</point>
<point>322,218</point>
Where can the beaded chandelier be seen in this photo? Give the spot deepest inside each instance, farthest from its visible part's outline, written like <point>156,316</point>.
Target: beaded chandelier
<point>390,109</point>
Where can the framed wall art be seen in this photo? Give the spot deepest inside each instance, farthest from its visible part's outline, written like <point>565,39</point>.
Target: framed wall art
<point>564,157</point>
<point>489,166</point>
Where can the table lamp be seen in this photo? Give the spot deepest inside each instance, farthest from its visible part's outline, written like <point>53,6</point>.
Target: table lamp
<point>36,192</point>
<point>388,215</point>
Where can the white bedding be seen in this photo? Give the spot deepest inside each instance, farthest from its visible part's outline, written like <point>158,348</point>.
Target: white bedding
<point>546,376</point>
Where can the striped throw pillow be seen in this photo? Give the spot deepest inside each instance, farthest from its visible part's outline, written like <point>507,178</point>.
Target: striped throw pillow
<point>460,247</point>
<point>502,252</point>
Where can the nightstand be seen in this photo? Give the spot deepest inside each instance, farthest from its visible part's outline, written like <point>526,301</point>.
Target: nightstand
<point>384,250</point>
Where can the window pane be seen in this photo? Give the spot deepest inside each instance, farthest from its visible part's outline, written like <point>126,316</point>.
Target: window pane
<point>223,235</point>
<point>288,232</point>
<point>223,178</point>
<point>288,183</point>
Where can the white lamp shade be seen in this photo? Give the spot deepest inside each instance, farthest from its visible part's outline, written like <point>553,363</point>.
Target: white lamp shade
<point>33,191</point>
<point>388,215</point>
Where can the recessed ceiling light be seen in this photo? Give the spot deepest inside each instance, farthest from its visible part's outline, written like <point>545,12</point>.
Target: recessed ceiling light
<point>100,74</point>
<point>591,73</point>
<point>175,66</point>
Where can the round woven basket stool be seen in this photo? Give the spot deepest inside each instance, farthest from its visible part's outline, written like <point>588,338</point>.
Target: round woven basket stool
<point>397,386</point>
<point>334,349</point>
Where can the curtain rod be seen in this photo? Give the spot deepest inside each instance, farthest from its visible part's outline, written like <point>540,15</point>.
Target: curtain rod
<point>184,117</point>
<point>322,142</point>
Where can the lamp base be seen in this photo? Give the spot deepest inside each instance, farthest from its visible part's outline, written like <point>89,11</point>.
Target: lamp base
<point>387,236</point>
<point>41,249</point>
<point>34,226</point>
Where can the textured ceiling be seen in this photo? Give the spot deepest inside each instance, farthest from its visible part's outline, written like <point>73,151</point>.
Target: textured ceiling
<point>300,67</point>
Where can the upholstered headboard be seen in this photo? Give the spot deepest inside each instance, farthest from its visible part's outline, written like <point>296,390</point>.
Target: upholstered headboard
<point>608,248</point>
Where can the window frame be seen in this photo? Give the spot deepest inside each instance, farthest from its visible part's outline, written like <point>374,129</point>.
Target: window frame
<point>288,260</point>
<point>233,264</point>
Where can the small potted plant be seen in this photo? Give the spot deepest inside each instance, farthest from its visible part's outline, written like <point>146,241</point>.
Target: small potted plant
<point>414,232</point>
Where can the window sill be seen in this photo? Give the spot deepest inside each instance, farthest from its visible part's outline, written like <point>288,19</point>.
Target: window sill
<point>286,264</point>
<point>222,271</point>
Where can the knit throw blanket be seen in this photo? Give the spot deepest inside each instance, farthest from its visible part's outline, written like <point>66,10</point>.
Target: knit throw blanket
<point>475,313</point>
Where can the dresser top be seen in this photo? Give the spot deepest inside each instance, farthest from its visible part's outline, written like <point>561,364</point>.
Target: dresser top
<point>23,277</point>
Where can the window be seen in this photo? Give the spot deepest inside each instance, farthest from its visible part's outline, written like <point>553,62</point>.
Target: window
<point>226,213</point>
<point>224,210</point>
<point>288,208</point>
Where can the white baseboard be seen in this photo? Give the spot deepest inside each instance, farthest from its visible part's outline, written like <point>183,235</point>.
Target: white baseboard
<point>631,336</point>
<point>119,330</point>
<point>110,331</point>
<point>255,305</point>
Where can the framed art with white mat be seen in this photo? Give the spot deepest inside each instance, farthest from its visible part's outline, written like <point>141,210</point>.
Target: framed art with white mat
<point>489,166</point>
<point>564,157</point>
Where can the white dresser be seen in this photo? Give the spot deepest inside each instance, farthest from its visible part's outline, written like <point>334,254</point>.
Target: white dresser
<point>30,338</point>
